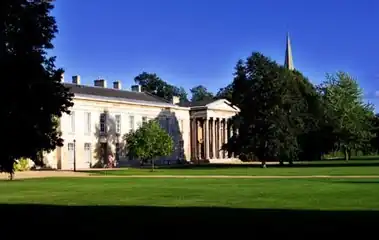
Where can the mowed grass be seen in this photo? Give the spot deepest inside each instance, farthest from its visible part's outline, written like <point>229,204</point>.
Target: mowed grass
<point>322,194</point>
<point>275,204</point>
<point>332,168</point>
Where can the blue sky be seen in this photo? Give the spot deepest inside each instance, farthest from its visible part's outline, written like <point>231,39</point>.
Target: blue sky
<point>192,42</point>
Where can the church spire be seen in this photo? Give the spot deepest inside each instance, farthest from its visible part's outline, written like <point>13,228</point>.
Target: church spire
<point>288,61</point>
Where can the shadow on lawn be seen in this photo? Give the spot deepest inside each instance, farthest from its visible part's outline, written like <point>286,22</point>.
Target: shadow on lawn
<point>194,219</point>
<point>295,165</point>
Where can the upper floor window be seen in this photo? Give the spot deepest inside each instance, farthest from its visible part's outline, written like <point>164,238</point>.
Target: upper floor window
<point>168,128</point>
<point>181,126</point>
<point>144,120</point>
<point>72,122</point>
<point>103,119</point>
<point>118,123</point>
<point>87,123</point>
<point>131,123</point>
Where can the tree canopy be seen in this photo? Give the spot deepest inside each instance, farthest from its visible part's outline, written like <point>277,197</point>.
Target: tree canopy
<point>200,93</point>
<point>350,116</point>
<point>284,117</point>
<point>149,142</point>
<point>150,82</point>
<point>35,97</point>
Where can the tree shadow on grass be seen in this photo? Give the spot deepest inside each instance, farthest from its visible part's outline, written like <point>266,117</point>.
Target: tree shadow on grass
<point>189,219</point>
<point>295,165</point>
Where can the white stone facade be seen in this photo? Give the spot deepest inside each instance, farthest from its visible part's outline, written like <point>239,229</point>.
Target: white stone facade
<point>85,136</point>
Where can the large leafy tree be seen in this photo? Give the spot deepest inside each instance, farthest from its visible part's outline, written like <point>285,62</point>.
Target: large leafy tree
<point>34,96</point>
<point>200,93</point>
<point>312,121</point>
<point>149,142</point>
<point>351,118</point>
<point>269,118</point>
<point>150,82</point>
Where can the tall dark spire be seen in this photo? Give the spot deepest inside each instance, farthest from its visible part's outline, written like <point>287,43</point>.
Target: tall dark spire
<point>288,61</point>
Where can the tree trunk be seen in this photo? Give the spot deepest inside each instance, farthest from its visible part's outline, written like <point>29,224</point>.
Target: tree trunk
<point>152,165</point>
<point>263,164</point>
<point>11,176</point>
<point>346,154</point>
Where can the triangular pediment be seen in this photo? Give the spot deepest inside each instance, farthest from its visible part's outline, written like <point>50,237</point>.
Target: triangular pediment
<point>222,104</point>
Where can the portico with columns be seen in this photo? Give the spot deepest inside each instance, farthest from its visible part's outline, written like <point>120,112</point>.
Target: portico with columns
<point>210,129</point>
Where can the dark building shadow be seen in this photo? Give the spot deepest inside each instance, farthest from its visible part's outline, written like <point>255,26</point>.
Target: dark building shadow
<point>169,122</point>
<point>107,140</point>
<point>110,220</point>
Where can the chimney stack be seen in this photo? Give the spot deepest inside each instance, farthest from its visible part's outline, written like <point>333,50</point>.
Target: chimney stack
<point>100,83</point>
<point>175,100</point>
<point>76,79</point>
<point>136,88</point>
<point>117,85</point>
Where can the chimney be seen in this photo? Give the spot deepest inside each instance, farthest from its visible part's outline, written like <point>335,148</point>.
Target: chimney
<point>100,83</point>
<point>175,100</point>
<point>76,79</point>
<point>117,85</point>
<point>136,88</point>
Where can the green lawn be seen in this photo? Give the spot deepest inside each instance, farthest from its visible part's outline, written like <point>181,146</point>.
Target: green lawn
<point>324,194</point>
<point>334,168</point>
<point>89,202</point>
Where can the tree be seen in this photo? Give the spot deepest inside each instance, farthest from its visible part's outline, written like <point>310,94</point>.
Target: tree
<point>149,142</point>
<point>351,118</point>
<point>200,93</point>
<point>374,143</point>
<point>225,93</point>
<point>268,120</point>
<point>34,95</point>
<point>150,82</point>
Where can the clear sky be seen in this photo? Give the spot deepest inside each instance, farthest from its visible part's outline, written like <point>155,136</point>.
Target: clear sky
<point>192,42</point>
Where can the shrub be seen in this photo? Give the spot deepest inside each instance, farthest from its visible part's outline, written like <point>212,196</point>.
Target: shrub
<point>21,164</point>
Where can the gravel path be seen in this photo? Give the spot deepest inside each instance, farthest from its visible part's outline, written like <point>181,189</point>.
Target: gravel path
<point>45,174</point>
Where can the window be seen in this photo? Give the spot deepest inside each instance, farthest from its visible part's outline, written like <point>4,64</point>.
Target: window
<point>168,129</point>
<point>181,126</point>
<point>87,146</point>
<point>118,123</point>
<point>131,123</point>
<point>72,122</point>
<point>70,147</point>
<point>103,123</point>
<point>144,120</point>
<point>87,123</point>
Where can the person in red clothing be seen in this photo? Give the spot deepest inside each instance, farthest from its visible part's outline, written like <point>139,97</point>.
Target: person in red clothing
<point>110,160</point>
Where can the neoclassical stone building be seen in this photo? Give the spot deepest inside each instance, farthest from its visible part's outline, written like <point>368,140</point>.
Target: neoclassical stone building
<point>210,128</point>
<point>102,115</point>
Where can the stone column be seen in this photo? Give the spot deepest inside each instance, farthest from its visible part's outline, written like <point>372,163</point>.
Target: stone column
<point>216,137</point>
<point>213,138</point>
<point>198,146</point>
<point>226,135</point>
<point>206,140</point>
<point>220,129</point>
<point>193,138</point>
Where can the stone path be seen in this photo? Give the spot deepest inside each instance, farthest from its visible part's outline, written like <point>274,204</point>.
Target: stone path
<point>45,174</point>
